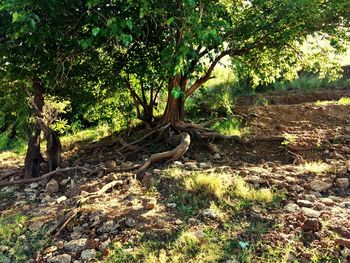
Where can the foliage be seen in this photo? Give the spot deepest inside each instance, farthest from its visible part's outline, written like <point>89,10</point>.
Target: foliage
<point>231,126</point>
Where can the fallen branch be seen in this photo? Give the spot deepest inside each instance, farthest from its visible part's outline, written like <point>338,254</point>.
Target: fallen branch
<point>8,175</point>
<point>45,176</point>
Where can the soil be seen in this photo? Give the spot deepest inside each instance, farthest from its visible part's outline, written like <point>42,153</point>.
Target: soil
<point>319,133</point>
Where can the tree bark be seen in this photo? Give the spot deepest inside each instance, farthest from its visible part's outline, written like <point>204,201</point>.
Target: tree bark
<point>174,111</point>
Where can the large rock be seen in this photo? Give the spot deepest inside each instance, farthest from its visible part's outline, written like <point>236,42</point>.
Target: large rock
<point>76,245</point>
<point>320,186</point>
<point>304,203</point>
<point>52,187</point>
<point>64,258</point>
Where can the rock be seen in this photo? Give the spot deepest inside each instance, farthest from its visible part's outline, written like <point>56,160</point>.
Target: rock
<point>310,198</point>
<point>36,225</point>
<point>191,165</point>
<point>178,222</point>
<point>111,164</point>
<point>150,204</point>
<point>130,222</point>
<point>108,227</point>
<point>76,245</point>
<point>34,185</point>
<point>61,199</point>
<point>46,199</point>
<point>200,235</point>
<point>320,186</point>
<point>210,214</point>
<point>52,187</point>
<point>310,212</point>
<point>216,156</point>
<point>171,205</point>
<point>343,242</point>
<point>327,201</point>
<point>205,165</point>
<point>177,164</point>
<point>316,194</point>
<point>104,245</point>
<point>291,207</point>
<point>64,164</point>
<point>63,258</point>
<point>348,166</point>
<point>88,254</point>
<point>311,224</point>
<point>304,203</point>
<point>345,205</point>
<point>342,183</point>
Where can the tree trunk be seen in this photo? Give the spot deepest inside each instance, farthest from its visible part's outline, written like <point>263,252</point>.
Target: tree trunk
<point>174,111</point>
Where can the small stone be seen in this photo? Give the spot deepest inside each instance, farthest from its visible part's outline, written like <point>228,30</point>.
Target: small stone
<point>76,245</point>
<point>108,227</point>
<point>46,199</point>
<point>111,164</point>
<point>104,245</point>
<point>171,205</point>
<point>327,201</point>
<point>320,186</point>
<point>316,194</point>
<point>217,156</point>
<point>205,165</point>
<point>310,198</point>
<point>157,171</point>
<point>150,204</point>
<point>342,183</point>
<point>304,203</point>
<point>311,224</point>
<point>310,212</point>
<point>200,235</point>
<point>130,222</point>
<point>52,187</point>
<point>64,258</point>
<point>88,254</point>
<point>345,205</point>
<point>178,164</point>
<point>178,222</point>
<point>36,225</point>
<point>291,207</point>
<point>210,214</point>
<point>61,199</point>
<point>34,185</point>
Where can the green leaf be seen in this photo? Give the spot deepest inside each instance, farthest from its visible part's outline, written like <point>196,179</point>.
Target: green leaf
<point>95,31</point>
<point>16,17</point>
<point>32,23</point>
<point>170,21</point>
<point>129,24</point>
<point>142,13</point>
<point>177,92</point>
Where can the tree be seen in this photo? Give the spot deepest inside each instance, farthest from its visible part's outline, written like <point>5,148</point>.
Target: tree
<point>179,43</point>
<point>35,44</point>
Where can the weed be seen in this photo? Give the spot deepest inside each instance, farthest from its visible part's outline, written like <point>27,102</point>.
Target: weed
<point>316,167</point>
<point>212,185</point>
<point>231,126</point>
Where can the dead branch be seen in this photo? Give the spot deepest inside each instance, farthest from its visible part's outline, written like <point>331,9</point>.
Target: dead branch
<point>45,176</point>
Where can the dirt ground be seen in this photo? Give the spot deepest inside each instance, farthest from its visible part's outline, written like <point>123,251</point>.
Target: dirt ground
<point>310,170</point>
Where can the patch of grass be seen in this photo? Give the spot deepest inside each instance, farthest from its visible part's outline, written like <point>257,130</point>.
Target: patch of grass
<point>341,101</point>
<point>316,167</point>
<point>208,184</point>
<point>231,126</point>
<point>242,190</point>
<point>87,135</point>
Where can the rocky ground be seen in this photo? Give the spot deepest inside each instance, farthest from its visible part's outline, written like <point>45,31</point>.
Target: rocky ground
<point>142,217</point>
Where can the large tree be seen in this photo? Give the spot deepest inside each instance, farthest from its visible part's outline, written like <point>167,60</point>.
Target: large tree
<point>176,45</point>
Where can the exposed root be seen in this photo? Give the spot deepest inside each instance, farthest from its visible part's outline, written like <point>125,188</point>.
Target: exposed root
<point>45,176</point>
<point>173,155</point>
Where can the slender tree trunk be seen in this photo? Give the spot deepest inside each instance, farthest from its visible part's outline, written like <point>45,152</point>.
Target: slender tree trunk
<point>174,111</point>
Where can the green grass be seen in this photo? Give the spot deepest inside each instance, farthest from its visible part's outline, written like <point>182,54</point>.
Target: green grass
<point>341,101</point>
<point>317,167</point>
<point>231,126</point>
